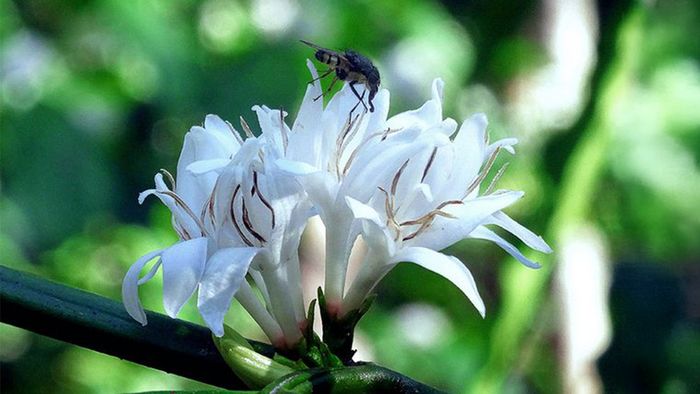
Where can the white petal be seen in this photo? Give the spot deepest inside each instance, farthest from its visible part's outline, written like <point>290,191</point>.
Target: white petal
<point>270,124</point>
<point>378,169</point>
<point>482,232</point>
<point>470,148</point>
<point>130,287</point>
<point>293,167</point>
<point>151,273</point>
<point>438,88</point>
<point>446,231</point>
<point>375,233</point>
<point>322,190</point>
<point>448,267</point>
<point>364,211</point>
<point>183,265</point>
<point>225,271</point>
<point>305,137</point>
<point>214,124</point>
<point>203,166</point>
<point>427,115</point>
<point>430,114</point>
<point>181,216</point>
<point>505,144</point>
<point>530,239</point>
<point>377,119</point>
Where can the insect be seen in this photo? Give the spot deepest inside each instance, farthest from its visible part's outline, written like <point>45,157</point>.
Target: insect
<point>349,66</point>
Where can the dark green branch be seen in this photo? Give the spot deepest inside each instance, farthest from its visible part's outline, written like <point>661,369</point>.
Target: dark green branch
<point>102,324</point>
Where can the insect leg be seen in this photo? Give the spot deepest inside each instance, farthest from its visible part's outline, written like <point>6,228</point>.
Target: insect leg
<point>327,90</point>
<point>330,70</point>
<point>358,102</point>
<point>352,87</point>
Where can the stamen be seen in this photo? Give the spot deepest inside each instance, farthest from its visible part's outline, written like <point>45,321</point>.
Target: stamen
<point>255,183</point>
<point>248,225</point>
<point>426,220</point>
<point>389,208</point>
<point>395,181</point>
<point>483,173</point>
<point>496,178</point>
<point>246,128</point>
<point>209,207</point>
<point>341,139</point>
<point>430,163</point>
<point>169,176</point>
<point>414,234</point>
<point>349,131</point>
<point>449,202</point>
<point>181,232</point>
<point>262,198</point>
<point>187,210</point>
<point>235,133</point>
<point>233,217</point>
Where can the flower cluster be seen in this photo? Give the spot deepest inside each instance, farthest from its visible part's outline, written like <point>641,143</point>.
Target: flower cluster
<point>407,185</point>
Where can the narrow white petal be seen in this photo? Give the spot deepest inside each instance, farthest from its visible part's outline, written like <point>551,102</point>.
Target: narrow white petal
<point>203,166</point>
<point>363,211</point>
<point>306,135</point>
<point>447,127</point>
<point>369,172</point>
<point>377,119</point>
<point>293,167</point>
<point>183,265</point>
<point>130,287</point>
<point>482,232</point>
<point>427,115</point>
<point>470,148</point>
<point>445,231</point>
<point>505,144</point>
<point>225,271</point>
<point>375,233</point>
<point>322,190</point>
<point>430,114</point>
<point>215,125</point>
<point>448,267</point>
<point>181,216</point>
<point>530,239</point>
<point>151,273</point>
<point>438,88</point>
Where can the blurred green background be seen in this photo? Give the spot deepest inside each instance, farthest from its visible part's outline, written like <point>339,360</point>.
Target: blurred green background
<point>97,95</point>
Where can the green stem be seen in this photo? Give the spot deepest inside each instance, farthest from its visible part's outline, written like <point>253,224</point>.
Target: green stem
<point>102,324</point>
<point>366,378</point>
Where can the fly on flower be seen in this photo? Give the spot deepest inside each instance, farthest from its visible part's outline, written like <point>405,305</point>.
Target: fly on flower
<point>349,66</point>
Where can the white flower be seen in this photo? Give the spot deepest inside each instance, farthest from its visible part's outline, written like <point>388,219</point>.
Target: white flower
<point>237,216</point>
<point>183,263</point>
<point>432,201</point>
<point>240,207</point>
<point>260,212</point>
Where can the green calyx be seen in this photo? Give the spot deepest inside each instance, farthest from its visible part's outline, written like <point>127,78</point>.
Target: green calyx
<point>311,353</point>
<point>338,332</point>
<point>253,368</point>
